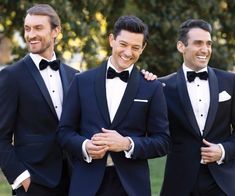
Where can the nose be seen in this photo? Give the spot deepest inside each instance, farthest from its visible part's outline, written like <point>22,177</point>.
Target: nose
<point>30,34</point>
<point>205,48</point>
<point>128,51</point>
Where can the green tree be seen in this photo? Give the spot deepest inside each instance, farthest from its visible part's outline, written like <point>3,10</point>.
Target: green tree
<point>83,25</point>
<point>164,18</point>
<point>87,23</point>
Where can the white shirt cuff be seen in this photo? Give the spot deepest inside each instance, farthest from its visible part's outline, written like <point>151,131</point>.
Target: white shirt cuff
<point>130,152</point>
<point>18,181</point>
<point>223,155</point>
<point>86,157</point>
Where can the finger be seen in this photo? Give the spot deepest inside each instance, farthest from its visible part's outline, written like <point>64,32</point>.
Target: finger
<point>107,130</point>
<point>93,147</point>
<point>100,142</point>
<point>154,77</point>
<point>206,149</point>
<point>143,71</point>
<point>99,136</point>
<point>146,74</point>
<point>98,152</point>
<point>149,76</point>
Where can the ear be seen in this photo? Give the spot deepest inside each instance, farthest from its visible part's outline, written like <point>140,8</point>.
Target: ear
<point>180,46</point>
<point>56,31</point>
<point>142,49</point>
<point>111,39</point>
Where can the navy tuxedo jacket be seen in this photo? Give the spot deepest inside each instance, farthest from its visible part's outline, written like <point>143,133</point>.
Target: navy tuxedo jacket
<point>28,116</point>
<point>85,112</point>
<point>183,161</point>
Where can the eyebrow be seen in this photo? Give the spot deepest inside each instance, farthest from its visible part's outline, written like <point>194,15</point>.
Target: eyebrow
<point>128,43</point>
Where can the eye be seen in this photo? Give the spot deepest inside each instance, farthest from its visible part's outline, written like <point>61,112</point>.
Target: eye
<point>26,29</point>
<point>136,48</point>
<point>122,44</point>
<point>38,28</point>
<point>198,43</point>
<point>209,43</point>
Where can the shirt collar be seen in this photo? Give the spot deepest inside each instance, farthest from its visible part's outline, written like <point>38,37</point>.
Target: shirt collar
<point>37,58</point>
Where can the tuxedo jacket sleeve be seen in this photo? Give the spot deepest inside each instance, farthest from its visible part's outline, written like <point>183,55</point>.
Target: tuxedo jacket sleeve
<point>8,112</point>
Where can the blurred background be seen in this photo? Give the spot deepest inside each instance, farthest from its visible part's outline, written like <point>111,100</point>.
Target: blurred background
<point>86,24</point>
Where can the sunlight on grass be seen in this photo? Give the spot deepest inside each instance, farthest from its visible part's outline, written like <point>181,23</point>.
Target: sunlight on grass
<point>157,172</point>
<point>5,189</point>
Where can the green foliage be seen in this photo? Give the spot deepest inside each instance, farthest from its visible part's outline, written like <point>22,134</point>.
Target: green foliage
<point>163,17</point>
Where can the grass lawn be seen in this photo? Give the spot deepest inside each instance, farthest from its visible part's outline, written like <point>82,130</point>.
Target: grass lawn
<point>156,169</point>
<point>4,189</point>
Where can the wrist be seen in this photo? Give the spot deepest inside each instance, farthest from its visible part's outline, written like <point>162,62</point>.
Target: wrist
<point>128,144</point>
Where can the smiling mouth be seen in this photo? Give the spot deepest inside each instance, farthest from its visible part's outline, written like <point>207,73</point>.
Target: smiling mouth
<point>34,42</point>
<point>201,57</point>
<point>125,58</point>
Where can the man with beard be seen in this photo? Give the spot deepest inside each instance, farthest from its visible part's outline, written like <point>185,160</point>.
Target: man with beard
<point>31,96</point>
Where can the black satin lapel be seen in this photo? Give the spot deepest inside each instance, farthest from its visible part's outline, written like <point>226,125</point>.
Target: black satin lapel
<point>185,101</point>
<point>64,79</point>
<point>40,82</point>
<point>100,91</point>
<point>128,97</point>
<point>214,100</point>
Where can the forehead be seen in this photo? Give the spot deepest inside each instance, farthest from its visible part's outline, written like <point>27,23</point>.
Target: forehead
<point>32,20</point>
<point>130,37</point>
<point>198,34</point>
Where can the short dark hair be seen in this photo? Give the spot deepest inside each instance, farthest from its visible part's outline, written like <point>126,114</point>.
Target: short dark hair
<point>132,24</point>
<point>46,10</point>
<point>186,26</point>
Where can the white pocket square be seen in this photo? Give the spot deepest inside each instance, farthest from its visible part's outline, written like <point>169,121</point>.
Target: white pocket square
<point>224,96</point>
<point>141,100</point>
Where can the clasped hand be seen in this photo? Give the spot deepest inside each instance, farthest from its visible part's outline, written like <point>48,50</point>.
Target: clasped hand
<point>107,140</point>
<point>211,153</point>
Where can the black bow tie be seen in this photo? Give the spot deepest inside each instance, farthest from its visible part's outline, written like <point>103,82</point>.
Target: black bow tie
<point>191,75</point>
<point>53,64</point>
<point>124,75</point>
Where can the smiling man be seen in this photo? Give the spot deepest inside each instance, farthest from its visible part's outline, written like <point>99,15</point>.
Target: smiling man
<point>200,102</point>
<point>113,120</point>
<point>31,97</point>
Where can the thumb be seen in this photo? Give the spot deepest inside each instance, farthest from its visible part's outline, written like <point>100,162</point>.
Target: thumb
<point>206,142</point>
<point>105,130</point>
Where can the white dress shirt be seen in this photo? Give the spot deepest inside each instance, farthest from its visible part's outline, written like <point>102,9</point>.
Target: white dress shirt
<point>54,86</point>
<point>52,81</point>
<point>115,89</point>
<point>199,94</point>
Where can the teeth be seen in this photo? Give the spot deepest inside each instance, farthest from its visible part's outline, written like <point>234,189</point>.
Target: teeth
<point>33,42</point>
<point>201,57</point>
<point>125,59</point>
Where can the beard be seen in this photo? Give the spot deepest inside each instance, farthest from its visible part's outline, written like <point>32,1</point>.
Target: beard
<point>39,50</point>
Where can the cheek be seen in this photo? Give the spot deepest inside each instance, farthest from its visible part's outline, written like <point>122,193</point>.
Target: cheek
<point>137,54</point>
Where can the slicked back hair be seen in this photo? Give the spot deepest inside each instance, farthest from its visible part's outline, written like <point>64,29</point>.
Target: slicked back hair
<point>132,24</point>
<point>45,10</point>
<point>189,24</point>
